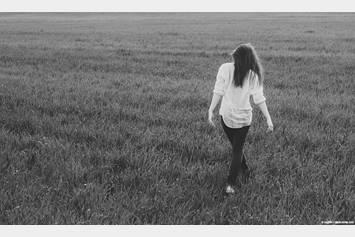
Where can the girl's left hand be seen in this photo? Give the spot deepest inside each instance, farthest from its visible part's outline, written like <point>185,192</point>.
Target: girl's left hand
<point>210,118</point>
<point>270,126</point>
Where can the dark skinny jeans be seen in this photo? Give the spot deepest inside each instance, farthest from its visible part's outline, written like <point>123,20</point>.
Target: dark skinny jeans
<point>236,136</point>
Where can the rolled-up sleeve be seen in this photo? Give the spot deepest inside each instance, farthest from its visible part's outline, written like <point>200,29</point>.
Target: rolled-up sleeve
<point>221,79</point>
<point>257,91</point>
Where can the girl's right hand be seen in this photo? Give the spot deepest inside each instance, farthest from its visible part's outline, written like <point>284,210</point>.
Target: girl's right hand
<point>270,126</point>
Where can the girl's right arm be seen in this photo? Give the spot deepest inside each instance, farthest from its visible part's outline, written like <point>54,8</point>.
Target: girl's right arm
<point>264,110</point>
<point>259,100</point>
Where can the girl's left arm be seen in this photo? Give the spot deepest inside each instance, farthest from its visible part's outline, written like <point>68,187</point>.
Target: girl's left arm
<point>218,91</point>
<point>215,100</point>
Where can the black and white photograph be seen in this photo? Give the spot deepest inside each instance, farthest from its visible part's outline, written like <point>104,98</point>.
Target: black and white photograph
<point>177,117</point>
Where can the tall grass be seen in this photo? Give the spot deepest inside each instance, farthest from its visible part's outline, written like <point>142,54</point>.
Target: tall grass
<point>103,119</point>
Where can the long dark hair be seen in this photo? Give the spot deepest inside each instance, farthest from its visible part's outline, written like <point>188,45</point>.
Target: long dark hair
<point>246,59</point>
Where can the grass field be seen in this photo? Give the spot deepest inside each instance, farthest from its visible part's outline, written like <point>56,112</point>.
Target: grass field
<point>103,119</point>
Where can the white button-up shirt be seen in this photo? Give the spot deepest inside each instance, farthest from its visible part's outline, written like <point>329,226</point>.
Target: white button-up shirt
<point>235,109</point>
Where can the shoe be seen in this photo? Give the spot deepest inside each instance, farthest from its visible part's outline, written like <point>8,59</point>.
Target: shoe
<point>230,190</point>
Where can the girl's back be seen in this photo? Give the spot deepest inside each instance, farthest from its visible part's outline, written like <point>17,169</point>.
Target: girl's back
<point>235,107</point>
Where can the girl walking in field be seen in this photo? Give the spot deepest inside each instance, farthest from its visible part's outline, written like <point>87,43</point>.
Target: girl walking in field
<point>235,83</point>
